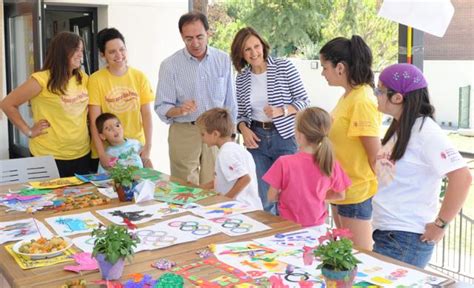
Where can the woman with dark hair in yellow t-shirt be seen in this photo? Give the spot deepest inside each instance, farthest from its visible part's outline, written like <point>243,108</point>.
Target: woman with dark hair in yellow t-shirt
<point>355,131</point>
<point>58,97</point>
<point>121,90</point>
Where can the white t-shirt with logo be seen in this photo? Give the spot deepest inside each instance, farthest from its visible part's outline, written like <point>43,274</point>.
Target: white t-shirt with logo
<point>233,162</point>
<point>408,193</point>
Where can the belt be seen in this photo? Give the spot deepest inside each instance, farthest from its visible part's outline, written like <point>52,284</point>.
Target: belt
<point>264,125</point>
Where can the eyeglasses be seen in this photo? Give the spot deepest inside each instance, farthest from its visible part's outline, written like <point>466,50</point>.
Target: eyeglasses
<point>379,92</point>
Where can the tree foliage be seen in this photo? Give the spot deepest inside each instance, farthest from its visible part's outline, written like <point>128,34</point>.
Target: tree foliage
<point>300,27</point>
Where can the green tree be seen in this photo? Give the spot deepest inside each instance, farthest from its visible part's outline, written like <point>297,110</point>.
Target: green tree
<point>287,25</point>
<point>299,28</point>
<point>359,17</point>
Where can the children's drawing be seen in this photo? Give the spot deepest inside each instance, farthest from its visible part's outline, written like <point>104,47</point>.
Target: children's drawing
<point>23,203</point>
<point>239,224</point>
<point>218,274</point>
<point>222,209</point>
<point>22,229</point>
<point>386,274</point>
<point>193,227</point>
<point>73,224</point>
<point>92,177</point>
<point>249,257</point>
<point>137,214</point>
<point>150,174</point>
<point>172,192</point>
<point>293,240</point>
<point>56,183</point>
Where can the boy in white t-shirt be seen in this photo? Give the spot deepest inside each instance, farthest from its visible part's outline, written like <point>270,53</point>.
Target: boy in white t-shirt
<point>235,175</point>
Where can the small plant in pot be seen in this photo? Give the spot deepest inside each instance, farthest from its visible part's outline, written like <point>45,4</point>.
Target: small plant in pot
<point>112,245</point>
<point>338,264</point>
<point>124,180</point>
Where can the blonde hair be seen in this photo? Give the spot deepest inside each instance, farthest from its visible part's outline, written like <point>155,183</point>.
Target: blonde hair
<point>216,119</point>
<point>314,123</point>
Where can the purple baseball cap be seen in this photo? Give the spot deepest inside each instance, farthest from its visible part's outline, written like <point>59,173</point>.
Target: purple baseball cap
<point>403,78</point>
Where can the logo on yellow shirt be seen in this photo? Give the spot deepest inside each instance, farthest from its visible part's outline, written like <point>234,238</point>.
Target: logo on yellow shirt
<point>121,99</point>
<point>75,102</point>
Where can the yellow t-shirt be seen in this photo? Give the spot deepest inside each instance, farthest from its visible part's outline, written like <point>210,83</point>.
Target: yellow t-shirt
<point>355,115</point>
<point>68,134</point>
<point>123,96</point>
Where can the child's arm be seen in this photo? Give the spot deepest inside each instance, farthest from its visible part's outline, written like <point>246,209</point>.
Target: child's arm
<point>239,185</point>
<point>272,194</point>
<point>332,195</point>
<point>209,185</point>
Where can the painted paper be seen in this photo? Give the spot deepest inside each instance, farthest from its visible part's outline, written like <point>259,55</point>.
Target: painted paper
<point>67,225</point>
<point>223,209</point>
<point>293,240</point>
<point>172,192</point>
<point>22,229</point>
<point>239,224</point>
<point>193,227</point>
<point>137,214</point>
<point>56,183</point>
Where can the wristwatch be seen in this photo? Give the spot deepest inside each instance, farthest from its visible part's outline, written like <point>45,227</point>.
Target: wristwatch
<point>285,111</point>
<point>440,223</point>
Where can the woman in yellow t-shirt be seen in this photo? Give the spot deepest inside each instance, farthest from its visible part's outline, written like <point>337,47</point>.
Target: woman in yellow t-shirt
<point>355,131</point>
<point>58,97</point>
<point>123,91</point>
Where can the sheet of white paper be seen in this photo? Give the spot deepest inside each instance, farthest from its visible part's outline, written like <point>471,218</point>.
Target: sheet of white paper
<point>144,191</point>
<point>431,16</point>
<point>194,227</point>
<point>239,224</point>
<point>108,192</point>
<point>73,224</point>
<point>222,209</point>
<point>22,229</point>
<point>137,214</point>
<point>293,240</point>
<point>386,274</point>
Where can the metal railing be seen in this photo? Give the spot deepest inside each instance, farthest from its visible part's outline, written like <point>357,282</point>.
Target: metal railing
<point>454,255</point>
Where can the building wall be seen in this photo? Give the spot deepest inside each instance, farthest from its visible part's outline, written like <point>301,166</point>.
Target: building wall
<point>457,43</point>
<point>150,28</point>
<point>3,118</point>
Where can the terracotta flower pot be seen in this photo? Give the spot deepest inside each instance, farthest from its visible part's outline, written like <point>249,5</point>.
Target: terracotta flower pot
<point>108,270</point>
<point>338,279</point>
<point>124,193</point>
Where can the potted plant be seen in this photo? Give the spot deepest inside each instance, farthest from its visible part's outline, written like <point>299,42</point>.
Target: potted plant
<point>338,264</point>
<point>124,181</point>
<point>112,245</point>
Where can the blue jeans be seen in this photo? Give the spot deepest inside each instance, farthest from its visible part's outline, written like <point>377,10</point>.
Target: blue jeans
<point>270,147</point>
<point>404,246</point>
<point>361,211</point>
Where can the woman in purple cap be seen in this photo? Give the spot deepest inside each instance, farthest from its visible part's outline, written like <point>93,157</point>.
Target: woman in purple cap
<point>415,156</point>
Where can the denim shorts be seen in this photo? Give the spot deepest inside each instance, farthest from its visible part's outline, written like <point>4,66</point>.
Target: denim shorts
<point>403,246</point>
<point>361,211</point>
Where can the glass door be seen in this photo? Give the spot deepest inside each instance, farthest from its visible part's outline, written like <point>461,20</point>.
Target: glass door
<point>24,55</point>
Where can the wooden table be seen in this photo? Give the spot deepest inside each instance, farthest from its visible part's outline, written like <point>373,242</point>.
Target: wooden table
<point>55,276</point>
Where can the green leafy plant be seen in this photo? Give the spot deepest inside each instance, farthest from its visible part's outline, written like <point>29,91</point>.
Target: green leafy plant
<point>123,175</point>
<point>335,251</point>
<point>114,242</point>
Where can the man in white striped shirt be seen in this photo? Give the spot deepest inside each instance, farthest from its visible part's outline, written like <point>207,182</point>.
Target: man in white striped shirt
<point>192,81</point>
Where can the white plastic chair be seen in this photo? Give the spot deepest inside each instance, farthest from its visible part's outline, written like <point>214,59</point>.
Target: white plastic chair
<point>28,169</point>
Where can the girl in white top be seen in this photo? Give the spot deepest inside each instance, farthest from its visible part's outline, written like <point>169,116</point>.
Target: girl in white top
<point>415,156</point>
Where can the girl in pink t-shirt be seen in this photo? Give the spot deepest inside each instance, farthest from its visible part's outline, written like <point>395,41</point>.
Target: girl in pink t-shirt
<point>303,181</point>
